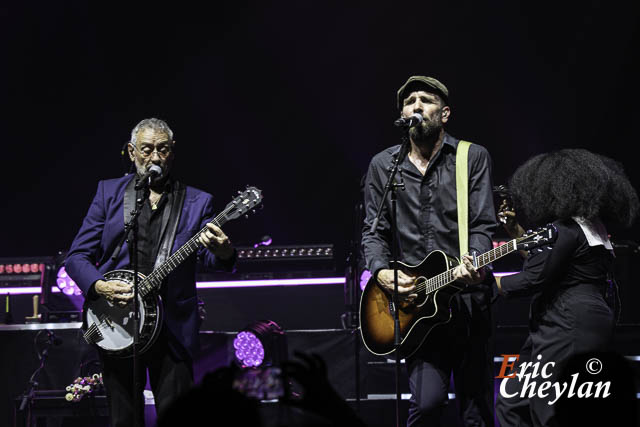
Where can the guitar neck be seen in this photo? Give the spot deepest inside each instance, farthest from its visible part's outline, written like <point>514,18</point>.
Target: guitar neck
<point>497,253</point>
<point>443,279</point>
<point>154,280</point>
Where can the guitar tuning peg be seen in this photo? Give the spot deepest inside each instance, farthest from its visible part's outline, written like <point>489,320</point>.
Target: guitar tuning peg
<point>246,216</point>
<point>253,210</point>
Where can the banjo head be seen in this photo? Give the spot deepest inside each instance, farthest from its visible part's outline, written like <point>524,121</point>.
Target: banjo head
<point>116,323</point>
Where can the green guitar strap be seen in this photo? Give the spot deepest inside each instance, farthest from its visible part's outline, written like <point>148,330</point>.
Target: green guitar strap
<point>462,195</point>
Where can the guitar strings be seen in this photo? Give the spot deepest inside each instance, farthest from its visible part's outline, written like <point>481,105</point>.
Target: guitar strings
<point>446,277</point>
<point>156,277</point>
<point>440,280</point>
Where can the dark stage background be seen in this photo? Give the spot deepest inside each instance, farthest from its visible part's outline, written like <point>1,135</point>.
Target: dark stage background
<point>293,97</point>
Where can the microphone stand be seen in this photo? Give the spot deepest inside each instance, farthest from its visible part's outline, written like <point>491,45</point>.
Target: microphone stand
<point>392,186</point>
<point>130,226</point>
<point>28,396</point>
<point>137,392</point>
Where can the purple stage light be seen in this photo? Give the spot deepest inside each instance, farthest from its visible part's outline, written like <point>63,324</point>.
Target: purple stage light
<point>272,282</point>
<point>66,284</point>
<point>249,349</point>
<point>262,343</point>
<point>231,284</point>
<point>265,241</point>
<point>364,279</point>
<point>26,290</point>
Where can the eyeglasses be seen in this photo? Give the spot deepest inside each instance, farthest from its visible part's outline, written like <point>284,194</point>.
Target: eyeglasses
<point>147,151</point>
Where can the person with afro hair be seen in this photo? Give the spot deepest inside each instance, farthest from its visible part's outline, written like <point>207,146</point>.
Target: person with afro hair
<point>580,193</point>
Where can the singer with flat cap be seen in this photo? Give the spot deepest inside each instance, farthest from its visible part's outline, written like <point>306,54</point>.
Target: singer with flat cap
<point>428,220</point>
<point>169,217</point>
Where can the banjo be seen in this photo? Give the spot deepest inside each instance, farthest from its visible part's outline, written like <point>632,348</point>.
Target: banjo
<point>110,326</point>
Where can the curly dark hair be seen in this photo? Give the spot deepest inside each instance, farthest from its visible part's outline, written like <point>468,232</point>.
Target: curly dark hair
<point>573,182</point>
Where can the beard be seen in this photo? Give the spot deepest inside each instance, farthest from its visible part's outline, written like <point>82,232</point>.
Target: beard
<point>427,132</point>
<point>156,180</point>
<point>140,169</point>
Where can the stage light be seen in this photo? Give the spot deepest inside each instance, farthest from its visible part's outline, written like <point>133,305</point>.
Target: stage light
<point>364,279</point>
<point>306,252</point>
<point>66,284</point>
<point>262,343</point>
<point>61,297</point>
<point>249,349</point>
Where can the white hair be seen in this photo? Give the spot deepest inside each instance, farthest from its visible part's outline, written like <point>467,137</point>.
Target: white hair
<point>154,124</point>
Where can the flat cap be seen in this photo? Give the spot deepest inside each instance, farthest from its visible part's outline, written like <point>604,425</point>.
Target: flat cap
<point>429,83</point>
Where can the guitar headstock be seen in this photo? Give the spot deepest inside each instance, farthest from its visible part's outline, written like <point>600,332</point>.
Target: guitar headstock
<point>242,204</point>
<point>541,236</point>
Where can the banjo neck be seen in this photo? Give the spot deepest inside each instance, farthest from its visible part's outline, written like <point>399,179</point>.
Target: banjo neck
<point>246,200</point>
<point>153,281</point>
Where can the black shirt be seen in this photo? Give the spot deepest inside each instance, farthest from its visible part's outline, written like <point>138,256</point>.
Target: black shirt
<point>568,264</point>
<point>149,229</point>
<point>427,208</point>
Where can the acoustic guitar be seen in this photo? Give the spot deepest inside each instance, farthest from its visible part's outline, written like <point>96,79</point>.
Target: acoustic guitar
<point>435,287</point>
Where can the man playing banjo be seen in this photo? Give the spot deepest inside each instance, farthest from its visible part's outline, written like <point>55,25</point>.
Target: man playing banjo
<point>171,215</point>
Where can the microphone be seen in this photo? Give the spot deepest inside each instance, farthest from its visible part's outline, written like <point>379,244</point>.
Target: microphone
<point>409,122</point>
<point>153,171</point>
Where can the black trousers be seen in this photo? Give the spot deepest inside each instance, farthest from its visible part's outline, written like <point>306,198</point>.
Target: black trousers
<point>169,376</point>
<point>576,321</point>
<point>460,347</point>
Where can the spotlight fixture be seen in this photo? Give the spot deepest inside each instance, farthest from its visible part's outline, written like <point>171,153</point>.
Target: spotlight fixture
<point>262,343</point>
<point>266,252</point>
<point>364,279</point>
<point>66,284</point>
<point>60,294</point>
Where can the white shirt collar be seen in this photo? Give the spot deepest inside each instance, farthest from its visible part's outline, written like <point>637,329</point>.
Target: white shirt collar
<point>595,232</point>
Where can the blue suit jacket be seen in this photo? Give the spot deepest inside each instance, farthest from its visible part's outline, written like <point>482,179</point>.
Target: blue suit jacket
<point>102,229</point>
